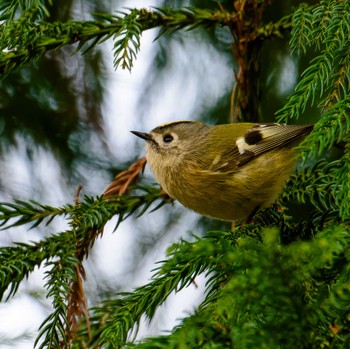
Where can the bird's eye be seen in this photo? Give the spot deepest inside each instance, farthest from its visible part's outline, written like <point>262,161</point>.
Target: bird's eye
<point>168,138</point>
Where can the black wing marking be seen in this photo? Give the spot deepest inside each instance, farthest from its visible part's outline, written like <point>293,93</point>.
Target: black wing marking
<point>259,140</point>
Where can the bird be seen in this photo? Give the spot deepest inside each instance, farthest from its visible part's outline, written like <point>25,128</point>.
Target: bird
<point>227,172</point>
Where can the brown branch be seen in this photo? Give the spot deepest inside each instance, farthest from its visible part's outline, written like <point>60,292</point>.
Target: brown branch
<point>246,48</point>
<point>76,307</point>
<point>124,179</point>
<point>77,194</point>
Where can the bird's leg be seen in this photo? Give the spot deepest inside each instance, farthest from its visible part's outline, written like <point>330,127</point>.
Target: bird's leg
<point>247,220</point>
<point>250,217</point>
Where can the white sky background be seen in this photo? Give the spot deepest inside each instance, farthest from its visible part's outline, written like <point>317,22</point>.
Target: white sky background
<point>177,94</point>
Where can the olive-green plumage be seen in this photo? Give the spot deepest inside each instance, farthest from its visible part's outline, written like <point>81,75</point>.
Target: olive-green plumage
<point>224,171</point>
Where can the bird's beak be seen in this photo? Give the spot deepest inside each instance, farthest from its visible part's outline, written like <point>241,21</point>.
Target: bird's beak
<point>143,135</point>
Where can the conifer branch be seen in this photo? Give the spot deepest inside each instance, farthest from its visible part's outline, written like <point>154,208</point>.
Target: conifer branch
<point>33,9</point>
<point>16,262</point>
<point>316,184</point>
<point>227,258</point>
<point>115,318</point>
<point>302,26</point>
<point>77,307</point>
<point>323,26</point>
<point>342,190</point>
<point>28,212</point>
<point>326,27</point>
<point>24,40</point>
<point>273,30</point>
<point>87,220</point>
<point>331,130</point>
<point>53,330</point>
<point>92,212</point>
<point>35,39</point>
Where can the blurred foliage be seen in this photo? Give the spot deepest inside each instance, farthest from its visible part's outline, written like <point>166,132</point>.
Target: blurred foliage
<point>51,101</point>
<point>266,287</point>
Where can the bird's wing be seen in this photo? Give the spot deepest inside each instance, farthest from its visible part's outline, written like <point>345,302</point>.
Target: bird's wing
<point>256,141</point>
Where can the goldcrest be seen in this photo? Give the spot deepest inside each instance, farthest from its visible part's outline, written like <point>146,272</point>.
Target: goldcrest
<point>226,172</point>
